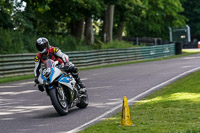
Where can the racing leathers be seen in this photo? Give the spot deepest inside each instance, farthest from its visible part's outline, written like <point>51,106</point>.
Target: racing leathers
<point>56,55</point>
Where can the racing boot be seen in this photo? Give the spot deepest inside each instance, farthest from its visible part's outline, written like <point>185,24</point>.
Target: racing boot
<point>82,88</point>
<point>80,83</point>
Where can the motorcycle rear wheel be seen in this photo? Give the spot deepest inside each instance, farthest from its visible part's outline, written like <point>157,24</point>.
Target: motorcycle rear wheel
<point>57,104</point>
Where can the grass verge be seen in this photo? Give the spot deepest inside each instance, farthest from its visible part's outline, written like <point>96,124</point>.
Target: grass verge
<point>173,109</point>
<point>185,53</point>
<point>11,79</point>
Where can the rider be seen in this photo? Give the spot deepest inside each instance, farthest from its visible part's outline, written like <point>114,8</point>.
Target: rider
<point>45,50</point>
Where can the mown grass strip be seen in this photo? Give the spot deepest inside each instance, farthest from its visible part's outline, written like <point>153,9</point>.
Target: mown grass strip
<point>11,79</point>
<point>173,109</point>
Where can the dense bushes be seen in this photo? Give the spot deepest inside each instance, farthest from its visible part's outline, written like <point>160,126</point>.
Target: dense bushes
<point>16,42</point>
<point>12,42</point>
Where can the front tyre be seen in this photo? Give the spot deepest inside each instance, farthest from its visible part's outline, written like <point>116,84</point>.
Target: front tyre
<point>83,101</point>
<point>60,105</point>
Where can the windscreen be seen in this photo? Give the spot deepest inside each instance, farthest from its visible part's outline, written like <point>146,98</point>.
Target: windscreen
<point>49,63</point>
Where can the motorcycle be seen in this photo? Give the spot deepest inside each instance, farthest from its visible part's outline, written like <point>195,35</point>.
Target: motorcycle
<point>62,88</point>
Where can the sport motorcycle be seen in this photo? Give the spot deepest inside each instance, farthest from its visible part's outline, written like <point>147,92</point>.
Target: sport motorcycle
<point>61,87</point>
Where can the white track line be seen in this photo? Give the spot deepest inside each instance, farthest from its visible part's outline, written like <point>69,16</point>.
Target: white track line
<point>133,100</point>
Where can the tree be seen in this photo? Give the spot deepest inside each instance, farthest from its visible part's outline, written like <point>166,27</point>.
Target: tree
<point>6,10</point>
<point>74,13</point>
<point>108,24</point>
<point>192,12</point>
<point>89,35</point>
<point>126,10</point>
<point>108,19</point>
<point>33,18</point>
<point>158,16</point>
<point>91,13</point>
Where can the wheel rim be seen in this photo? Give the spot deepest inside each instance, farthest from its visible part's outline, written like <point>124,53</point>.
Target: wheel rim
<point>62,99</point>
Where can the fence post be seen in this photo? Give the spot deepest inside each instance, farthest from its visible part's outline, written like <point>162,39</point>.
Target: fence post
<point>137,41</point>
<point>155,41</point>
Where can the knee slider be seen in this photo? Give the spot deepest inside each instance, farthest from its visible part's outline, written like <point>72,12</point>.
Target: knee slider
<point>75,69</point>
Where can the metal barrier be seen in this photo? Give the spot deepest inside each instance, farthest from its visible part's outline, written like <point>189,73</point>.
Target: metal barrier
<point>23,64</point>
<point>144,40</point>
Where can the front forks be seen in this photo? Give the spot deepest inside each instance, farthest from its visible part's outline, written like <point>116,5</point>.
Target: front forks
<point>61,93</point>
<point>61,96</point>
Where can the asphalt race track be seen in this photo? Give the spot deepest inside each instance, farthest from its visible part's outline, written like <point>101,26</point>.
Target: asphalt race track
<point>24,109</point>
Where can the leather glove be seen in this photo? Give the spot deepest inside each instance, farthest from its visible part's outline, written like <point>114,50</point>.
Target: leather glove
<point>36,81</point>
<point>40,88</point>
<point>62,65</point>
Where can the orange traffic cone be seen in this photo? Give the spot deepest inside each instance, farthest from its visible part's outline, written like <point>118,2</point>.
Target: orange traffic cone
<point>126,118</point>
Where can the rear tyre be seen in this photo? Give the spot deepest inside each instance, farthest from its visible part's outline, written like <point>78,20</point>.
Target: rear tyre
<point>84,100</point>
<point>60,106</point>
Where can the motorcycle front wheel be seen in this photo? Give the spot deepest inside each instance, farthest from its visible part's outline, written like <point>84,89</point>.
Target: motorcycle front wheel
<point>58,103</point>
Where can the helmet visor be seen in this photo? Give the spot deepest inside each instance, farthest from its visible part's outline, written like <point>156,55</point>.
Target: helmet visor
<point>40,47</point>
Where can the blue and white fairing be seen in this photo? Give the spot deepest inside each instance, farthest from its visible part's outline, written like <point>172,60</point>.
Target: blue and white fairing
<point>67,81</point>
<point>55,72</point>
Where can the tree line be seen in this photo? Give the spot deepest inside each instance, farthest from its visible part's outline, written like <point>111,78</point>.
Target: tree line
<point>96,20</point>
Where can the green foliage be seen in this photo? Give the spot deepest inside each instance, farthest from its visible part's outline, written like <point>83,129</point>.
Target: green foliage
<point>116,44</point>
<point>10,42</point>
<point>25,21</point>
<point>5,42</point>
<point>158,15</point>
<point>16,42</point>
<point>126,11</point>
<point>29,43</point>
<point>56,19</point>
<point>40,6</point>
<point>192,11</point>
<point>68,43</point>
<point>6,9</point>
<point>111,2</point>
